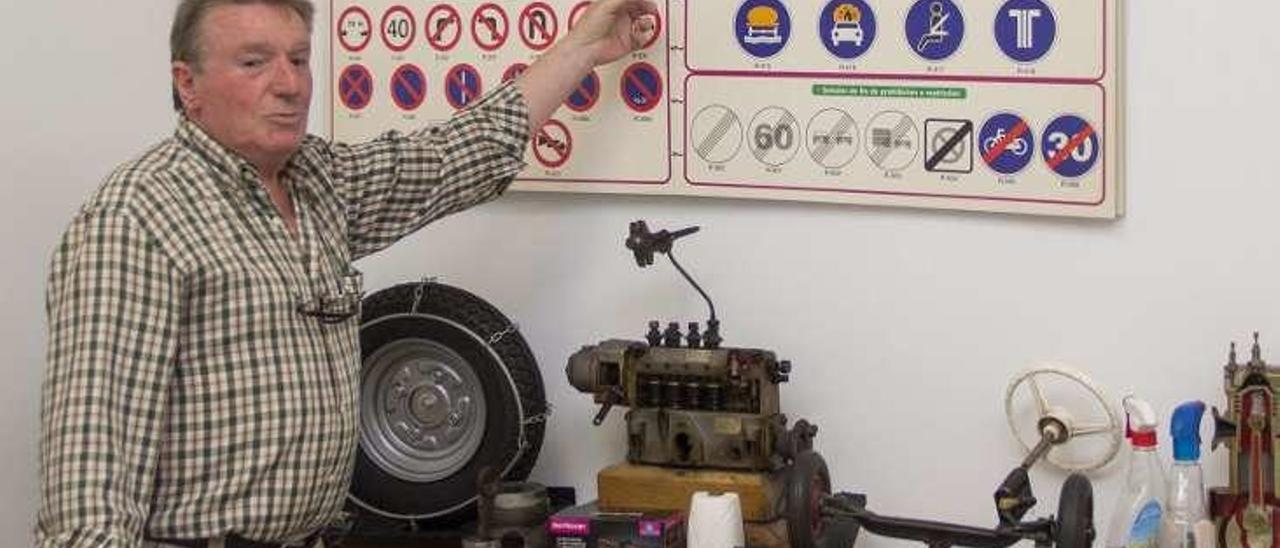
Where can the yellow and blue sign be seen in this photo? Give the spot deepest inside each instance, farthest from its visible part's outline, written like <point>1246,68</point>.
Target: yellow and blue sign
<point>847,28</point>
<point>762,27</point>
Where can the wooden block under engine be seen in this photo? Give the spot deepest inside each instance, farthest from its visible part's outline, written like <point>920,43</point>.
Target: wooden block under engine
<point>635,488</point>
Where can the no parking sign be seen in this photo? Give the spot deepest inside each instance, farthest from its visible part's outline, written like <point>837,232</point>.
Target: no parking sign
<point>462,85</point>
<point>408,87</point>
<point>585,95</point>
<point>641,87</point>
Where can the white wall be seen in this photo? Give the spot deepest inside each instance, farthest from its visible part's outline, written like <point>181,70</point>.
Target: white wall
<point>904,326</point>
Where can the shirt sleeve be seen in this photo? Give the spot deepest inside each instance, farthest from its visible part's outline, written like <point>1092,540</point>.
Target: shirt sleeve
<point>113,306</point>
<point>397,183</point>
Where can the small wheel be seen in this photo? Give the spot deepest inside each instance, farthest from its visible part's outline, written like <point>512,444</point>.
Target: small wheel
<point>1075,513</point>
<point>808,482</point>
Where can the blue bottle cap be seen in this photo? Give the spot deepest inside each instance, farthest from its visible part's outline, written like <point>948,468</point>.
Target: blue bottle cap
<point>1185,430</point>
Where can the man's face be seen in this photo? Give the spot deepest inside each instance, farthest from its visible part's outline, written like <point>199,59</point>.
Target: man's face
<point>252,86</point>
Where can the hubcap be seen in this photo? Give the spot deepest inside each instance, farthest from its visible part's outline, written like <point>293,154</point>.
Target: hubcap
<point>422,410</point>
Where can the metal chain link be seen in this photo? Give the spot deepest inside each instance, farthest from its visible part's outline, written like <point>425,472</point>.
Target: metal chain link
<point>539,418</point>
<point>420,292</point>
<point>497,337</point>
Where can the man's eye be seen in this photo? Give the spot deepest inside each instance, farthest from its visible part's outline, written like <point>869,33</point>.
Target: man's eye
<point>251,63</point>
<point>300,61</point>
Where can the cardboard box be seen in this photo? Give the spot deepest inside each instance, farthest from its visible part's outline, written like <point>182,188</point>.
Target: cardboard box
<point>585,526</point>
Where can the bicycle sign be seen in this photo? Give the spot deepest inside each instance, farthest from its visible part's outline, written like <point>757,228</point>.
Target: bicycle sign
<point>1006,143</point>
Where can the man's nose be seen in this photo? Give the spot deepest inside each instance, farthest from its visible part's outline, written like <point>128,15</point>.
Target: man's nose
<point>289,79</point>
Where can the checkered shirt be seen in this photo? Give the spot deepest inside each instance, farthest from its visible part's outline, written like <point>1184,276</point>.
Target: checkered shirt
<point>186,396</point>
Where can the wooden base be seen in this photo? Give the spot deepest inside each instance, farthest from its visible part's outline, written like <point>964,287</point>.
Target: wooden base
<point>628,487</point>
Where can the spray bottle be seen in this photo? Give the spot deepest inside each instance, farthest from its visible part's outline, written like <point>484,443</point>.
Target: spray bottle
<point>1135,522</point>
<point>1186,502</point>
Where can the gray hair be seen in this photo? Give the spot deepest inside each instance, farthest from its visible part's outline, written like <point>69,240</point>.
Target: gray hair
<point>184,37</point>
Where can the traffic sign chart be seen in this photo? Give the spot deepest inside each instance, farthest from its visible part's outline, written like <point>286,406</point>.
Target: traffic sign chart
<point>355,29</point>
<point>553,144</point>
<point>893,140</point>
<point>1071,146</point>
<point>538,26</point>
<point>832,138</point>
<point>1007,143</point>
<point>762,27</point>
<point>1026,29</point>
<point>847,28</point>
<point>408,87</point>
<point>641,87</point>
<point>948,145</point>
<point>716,134</point>
<point>774,136</point>
<point>444,27</point>
<point>585,95</point>
<point>490,26</point>
<point>398,28</point>
<point>355,87</point>
<point>462,85</point>
<point>935,29</point>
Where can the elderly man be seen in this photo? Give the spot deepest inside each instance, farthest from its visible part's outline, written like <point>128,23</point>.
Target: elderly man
<point>203,356</point>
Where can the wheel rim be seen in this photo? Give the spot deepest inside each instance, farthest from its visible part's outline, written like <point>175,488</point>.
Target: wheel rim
<point>422,410</point>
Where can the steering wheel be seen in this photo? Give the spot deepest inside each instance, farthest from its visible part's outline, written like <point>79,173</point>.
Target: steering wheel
<point>1062,426</point>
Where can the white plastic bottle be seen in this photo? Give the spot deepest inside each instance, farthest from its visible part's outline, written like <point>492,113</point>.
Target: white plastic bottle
<point>1186,499</point>
<point>1135,522</point>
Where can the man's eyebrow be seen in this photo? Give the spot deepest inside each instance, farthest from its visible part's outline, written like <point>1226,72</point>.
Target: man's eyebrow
<point>256,47</point>
<point>267,48</point>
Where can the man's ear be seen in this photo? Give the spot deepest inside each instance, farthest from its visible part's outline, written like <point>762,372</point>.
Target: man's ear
<point>184,86</point>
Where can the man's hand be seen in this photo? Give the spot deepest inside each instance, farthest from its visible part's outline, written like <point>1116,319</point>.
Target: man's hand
<point>612,28</point>
<point>607,31</point>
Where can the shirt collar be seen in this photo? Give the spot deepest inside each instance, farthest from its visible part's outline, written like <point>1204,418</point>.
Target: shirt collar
<point>218,156</point>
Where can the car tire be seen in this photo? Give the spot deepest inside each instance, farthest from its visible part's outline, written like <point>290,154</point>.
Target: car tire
<point>449,387</point>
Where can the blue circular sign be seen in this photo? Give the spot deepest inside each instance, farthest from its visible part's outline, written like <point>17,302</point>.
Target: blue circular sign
<point>462,85</point>
<point>935,28</point>
<point>847,28</point>
<point>1070,146</point>
<point>355,87</point>
<point>1007,143</point>
<point>1025,29</point>
<point>641,87</point>
<point>408,87</point>
<point>762,27</point>
<point>585,95</point>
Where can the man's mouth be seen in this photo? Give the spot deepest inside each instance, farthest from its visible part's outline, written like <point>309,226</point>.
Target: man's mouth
<point>286,117</point>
